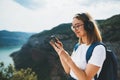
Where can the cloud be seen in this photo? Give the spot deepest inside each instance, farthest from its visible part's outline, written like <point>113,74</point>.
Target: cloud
<point>31,4</point>
<point>38,15</point>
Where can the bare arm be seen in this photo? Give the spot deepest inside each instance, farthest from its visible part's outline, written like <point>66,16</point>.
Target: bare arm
<point>64,64</point>
<point>86,74</point>
<point>68,64</point>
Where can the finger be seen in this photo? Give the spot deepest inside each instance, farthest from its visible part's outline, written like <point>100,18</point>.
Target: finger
<point>58,40</point>
<point>56,44</point>
<point>53,45</point>
<point>59,43</point>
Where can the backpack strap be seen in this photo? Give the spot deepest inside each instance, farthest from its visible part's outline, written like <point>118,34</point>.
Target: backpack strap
<point>90,50</point>
<point>76,46</point>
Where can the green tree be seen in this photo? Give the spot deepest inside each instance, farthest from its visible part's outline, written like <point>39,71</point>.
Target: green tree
<point>24,75</point>
<point>6,73</point>
<point>9,73</point>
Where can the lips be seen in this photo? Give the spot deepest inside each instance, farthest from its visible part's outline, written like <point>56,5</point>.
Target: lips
<point>77,32</point>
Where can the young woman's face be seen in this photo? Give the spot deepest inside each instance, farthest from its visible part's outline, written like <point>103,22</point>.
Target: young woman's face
<point>78,28</point>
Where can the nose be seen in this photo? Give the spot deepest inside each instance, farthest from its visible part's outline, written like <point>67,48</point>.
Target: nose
<point>76,29</point>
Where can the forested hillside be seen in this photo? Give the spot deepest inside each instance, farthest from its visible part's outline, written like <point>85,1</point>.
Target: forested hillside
<point>8,38</point>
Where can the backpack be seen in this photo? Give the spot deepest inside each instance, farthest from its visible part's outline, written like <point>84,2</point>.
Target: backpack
<point>109,68</point>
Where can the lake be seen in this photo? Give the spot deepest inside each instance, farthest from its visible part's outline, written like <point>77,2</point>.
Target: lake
<point>5,54</point>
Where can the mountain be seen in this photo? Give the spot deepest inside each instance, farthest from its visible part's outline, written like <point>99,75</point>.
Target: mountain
<point>37,53</point>
<point>110,28</point>
<point>8,38</point>
<point>40,56</point>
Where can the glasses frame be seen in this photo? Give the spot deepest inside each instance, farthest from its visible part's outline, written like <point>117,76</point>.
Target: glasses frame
<point>77,27</point>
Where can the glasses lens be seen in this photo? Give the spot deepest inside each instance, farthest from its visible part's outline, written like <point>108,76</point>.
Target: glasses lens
<point>77,27</point>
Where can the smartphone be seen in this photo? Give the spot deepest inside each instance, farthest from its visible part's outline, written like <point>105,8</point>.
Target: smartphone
<point>53,38</point>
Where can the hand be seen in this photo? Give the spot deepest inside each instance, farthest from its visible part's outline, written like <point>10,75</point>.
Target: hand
<point>58,46</point>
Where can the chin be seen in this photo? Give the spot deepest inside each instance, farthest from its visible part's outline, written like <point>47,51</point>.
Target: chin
<point>77,35</point>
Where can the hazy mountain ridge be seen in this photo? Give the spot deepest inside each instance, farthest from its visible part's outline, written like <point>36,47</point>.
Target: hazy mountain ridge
<point>40,56</point>
<point>8,38</point>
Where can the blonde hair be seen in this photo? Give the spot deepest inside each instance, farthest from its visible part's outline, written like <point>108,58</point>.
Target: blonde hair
<point>92,30</point>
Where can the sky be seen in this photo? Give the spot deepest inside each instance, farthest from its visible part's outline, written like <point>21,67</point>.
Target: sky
<point>39,15</point>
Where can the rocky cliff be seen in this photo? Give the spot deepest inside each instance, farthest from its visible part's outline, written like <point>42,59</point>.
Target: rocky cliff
<point>40,56</point>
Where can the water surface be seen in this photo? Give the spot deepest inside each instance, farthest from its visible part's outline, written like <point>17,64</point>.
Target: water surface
<point>5,54</point>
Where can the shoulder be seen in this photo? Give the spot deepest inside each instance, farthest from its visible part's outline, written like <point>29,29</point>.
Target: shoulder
<point>100,47</point>
<point>99,50</point>
<point>98,55</point>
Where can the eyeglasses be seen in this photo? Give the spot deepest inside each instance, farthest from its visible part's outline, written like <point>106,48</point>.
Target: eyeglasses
<point>77,27</point>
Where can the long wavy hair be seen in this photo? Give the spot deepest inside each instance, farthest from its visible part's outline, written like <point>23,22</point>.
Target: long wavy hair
<point>92,30</point>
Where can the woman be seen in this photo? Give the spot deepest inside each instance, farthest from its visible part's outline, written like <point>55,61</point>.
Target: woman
<point>87,31</point>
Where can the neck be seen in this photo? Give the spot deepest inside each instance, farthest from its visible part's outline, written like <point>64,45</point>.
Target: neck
<point>84,40</point>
